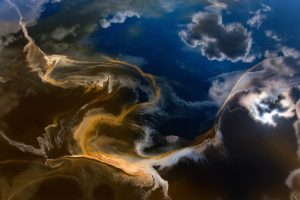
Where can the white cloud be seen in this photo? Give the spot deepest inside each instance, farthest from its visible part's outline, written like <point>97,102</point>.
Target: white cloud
<point>222,86</point>
<point>119,17</point>
<point>289,51</point>
<point>266,89</point>
<point>216,6</point>
<point>55,1</point>
<point>258,16</point>
<point>30,9</point>
<point>282,50</point>
<point>270,54</point>
<point>273,101</point>
<point>273,35</point>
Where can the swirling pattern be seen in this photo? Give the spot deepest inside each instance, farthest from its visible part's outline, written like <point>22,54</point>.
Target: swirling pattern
<point>80,127</point>
<point>103,133</point>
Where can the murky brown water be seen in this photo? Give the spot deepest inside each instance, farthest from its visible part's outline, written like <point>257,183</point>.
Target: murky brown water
<point>76,129</point>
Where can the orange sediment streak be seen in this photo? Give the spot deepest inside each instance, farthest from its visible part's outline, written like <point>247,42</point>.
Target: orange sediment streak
<point>141,167</point>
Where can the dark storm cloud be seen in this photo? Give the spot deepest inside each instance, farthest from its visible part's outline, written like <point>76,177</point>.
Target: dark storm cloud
<point>217,41</point>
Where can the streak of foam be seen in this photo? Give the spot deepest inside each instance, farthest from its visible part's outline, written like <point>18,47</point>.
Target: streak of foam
<point>145,142</point>
<point>28,148</point>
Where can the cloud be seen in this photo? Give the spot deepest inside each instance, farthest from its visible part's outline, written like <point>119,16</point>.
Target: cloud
<point>270,54</point>
<point>9,21</point>
<point>168,94</point>
<point>258,16</point>
<point>222,86</point>
<point>61,32</point>
<point>172,139</point>
<point>289,51</point>
<point>216,6</point>
<point>265,90</point>
<point>30,9</point>
<point>274,100</point>
<point>273,35</point>
<point>119,17</point>
<point>55,1</point>
<point>170,98</point>
<point>282,50</point>
<point>118,10</point>
<point>217,41</point>
<point>105,11</point>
